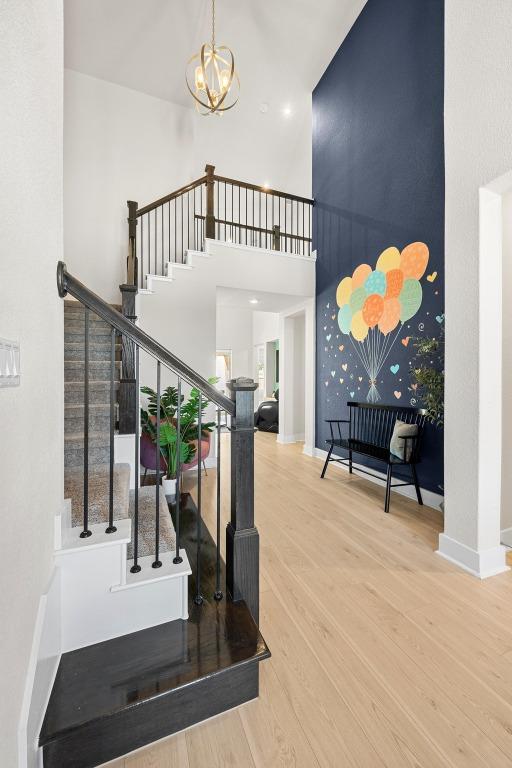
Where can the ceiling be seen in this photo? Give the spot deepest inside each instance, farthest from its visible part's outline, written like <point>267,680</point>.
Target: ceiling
<point>281,47</point>
<point>237,298</point>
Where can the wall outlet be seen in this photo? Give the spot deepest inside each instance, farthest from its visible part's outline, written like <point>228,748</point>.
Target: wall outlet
<point>9,363</point>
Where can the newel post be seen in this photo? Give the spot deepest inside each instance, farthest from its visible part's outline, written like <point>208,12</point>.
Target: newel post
<point>127,392</point>
<point>242,539</point>
<point>210,202</point>
<point>276,237</point>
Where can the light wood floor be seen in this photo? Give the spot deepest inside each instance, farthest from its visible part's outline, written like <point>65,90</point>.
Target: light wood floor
<point>383,654</point>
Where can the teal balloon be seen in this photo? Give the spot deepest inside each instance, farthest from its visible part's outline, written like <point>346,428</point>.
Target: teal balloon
<point>357,299</point>
<point>345,319</point>
<point>410,298</point>
<point>375,283</point>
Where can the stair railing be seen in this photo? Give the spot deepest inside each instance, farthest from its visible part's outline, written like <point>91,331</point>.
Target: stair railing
<point>218,208</point>
<point>242,542</point>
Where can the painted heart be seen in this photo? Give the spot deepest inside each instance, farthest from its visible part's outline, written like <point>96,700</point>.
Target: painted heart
<point>394,368</point>
<point>406,340</point>
<point>341,381</point>
<point>341,347</point>
<point>352,394</point>
<point>398,395</point>
<point>333,374</point>
<point>432,277</point>
<point>329,304</point>
<point>360,378</point>
<point>344,366</point>
<point>328,337</point>
<point>333,317</point>
<point>325,327</point>
<point>326,383</point>
<point>439,318</point>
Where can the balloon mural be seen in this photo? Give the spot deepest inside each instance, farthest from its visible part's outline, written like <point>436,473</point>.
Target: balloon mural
<point>374,304</point>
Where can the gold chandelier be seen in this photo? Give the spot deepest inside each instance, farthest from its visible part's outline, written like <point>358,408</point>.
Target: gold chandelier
<point>211,77</point>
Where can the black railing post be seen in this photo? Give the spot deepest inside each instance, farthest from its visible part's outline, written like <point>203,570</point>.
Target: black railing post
<point>131,259</point>
<point>276,237</point>
<point>127,392</point>
<point>242,539</point>
<point>210,202</point>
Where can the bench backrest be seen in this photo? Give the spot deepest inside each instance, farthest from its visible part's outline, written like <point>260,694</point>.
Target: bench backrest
<point>373,423</point>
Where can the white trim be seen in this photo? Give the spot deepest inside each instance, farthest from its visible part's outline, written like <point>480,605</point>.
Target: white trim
<point>285,439</point>
<point>483,564</point>
<point>506,537</point>
<point>430,499</point>
<point>42,668</point>
<point>255,249</point>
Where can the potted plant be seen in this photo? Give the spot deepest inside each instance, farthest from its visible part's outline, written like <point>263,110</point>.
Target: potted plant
<point>189,415</point>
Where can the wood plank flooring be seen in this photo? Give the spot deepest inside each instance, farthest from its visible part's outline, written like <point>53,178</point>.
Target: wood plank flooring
<point>383,654</point>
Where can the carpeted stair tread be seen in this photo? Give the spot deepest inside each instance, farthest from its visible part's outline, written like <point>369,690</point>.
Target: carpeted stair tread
<point>99,392</point>
<point>98,492</point>
<point>75,351</point>
<point>147,522</point>
<point>99,370</point>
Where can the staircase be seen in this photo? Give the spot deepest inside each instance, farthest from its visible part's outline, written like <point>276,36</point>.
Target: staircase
<point>144,654</point>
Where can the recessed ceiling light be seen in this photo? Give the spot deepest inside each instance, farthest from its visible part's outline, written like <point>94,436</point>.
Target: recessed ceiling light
<point>287,111</point>
<point>264,107</point>
<point>253,301</point>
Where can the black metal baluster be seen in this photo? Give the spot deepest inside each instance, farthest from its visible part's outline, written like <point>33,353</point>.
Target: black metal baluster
<point>156,242</point>
<point>169,231</point>
<point>136,567</point>
<point>225,212</point>
<point>157,563</point>
<point>86,532</point>
<point>218,593</point>
<point>181,230</point>
<point>149,242</point>
<point>111,527</point>
<point>162,234</point>
<point>199,598</point>
<point>188,226</point>
<point>177,558</point>
<point>142,251</point>
<point>175,231</point>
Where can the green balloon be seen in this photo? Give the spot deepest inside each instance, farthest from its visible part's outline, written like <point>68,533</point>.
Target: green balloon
<point>357,299</point>
<point>345,319</point>
<point>410,298</point>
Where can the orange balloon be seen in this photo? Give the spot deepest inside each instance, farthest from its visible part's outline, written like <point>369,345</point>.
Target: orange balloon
<point>360,274</point>
<point>373,309</point>
<point>394,283</point>
<point>390,316</point>
<point>414,260</point>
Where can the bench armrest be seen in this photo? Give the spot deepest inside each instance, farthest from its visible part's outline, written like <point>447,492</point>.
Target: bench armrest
<point>337,421</point>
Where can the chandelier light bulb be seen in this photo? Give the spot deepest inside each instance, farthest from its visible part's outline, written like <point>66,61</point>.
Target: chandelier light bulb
<point>199,79</point>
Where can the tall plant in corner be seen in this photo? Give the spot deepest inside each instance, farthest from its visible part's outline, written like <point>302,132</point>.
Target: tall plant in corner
<point>427,374</point>
<point>189,415</point>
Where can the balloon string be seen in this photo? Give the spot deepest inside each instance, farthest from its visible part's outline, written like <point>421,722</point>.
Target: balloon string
<point>360,356</point>
<point>391,346</point>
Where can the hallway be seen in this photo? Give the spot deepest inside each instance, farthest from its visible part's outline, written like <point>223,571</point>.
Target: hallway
<point>383,654</point>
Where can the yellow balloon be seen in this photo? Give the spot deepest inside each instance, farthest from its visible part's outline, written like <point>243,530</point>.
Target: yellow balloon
<point>389,259</point>
<point>359,328</point>
<point>344,291</point>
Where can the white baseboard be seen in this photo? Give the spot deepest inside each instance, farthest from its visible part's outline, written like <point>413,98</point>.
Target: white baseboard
<point>287,439</point>
<point>308,450</point>
<point>430,499</point>
<point>485,563</point>
<point>42,668</point>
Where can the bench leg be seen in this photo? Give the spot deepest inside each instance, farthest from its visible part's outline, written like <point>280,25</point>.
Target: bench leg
<point>326,462</point>
<point>350,462</point>
<point>416,484</point>
<point>388,488</point>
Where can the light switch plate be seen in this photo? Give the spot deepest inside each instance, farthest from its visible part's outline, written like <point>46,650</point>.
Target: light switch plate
<point>9,363</point>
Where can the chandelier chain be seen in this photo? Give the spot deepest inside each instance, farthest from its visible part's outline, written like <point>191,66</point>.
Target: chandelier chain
<point>213,24</point>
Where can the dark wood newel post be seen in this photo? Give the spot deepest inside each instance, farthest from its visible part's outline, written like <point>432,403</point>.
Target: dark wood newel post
<point>127,393</point>
<point>242,538</point>
<point>210,202</point>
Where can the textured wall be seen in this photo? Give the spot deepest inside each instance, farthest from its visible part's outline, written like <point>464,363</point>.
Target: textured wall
<point>378,181</point>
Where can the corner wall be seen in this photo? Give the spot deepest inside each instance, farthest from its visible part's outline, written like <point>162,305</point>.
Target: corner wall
<point>31,416</point>
<point>478,142</point>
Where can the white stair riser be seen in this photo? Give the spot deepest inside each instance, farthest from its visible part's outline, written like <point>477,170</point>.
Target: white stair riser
<point>92,612</point>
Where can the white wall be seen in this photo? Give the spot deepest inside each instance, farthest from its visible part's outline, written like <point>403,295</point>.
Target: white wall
<point>478,148</point>
<point>234,331</point>
<point>121,144</point>
<point>31,416</point>
<point>506,459</point>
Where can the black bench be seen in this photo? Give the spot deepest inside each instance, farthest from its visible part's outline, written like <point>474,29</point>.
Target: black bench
<point>370,428</point>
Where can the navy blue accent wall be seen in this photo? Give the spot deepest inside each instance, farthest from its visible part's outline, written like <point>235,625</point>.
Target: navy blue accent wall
<point>378,181</point>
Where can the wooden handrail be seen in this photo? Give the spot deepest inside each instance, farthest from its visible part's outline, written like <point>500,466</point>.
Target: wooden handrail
<point>264,190</point>
<point>68,284</point>
<point>171,196</point>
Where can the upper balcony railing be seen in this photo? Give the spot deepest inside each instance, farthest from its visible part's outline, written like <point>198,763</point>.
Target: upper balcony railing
<point>218,208</point>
